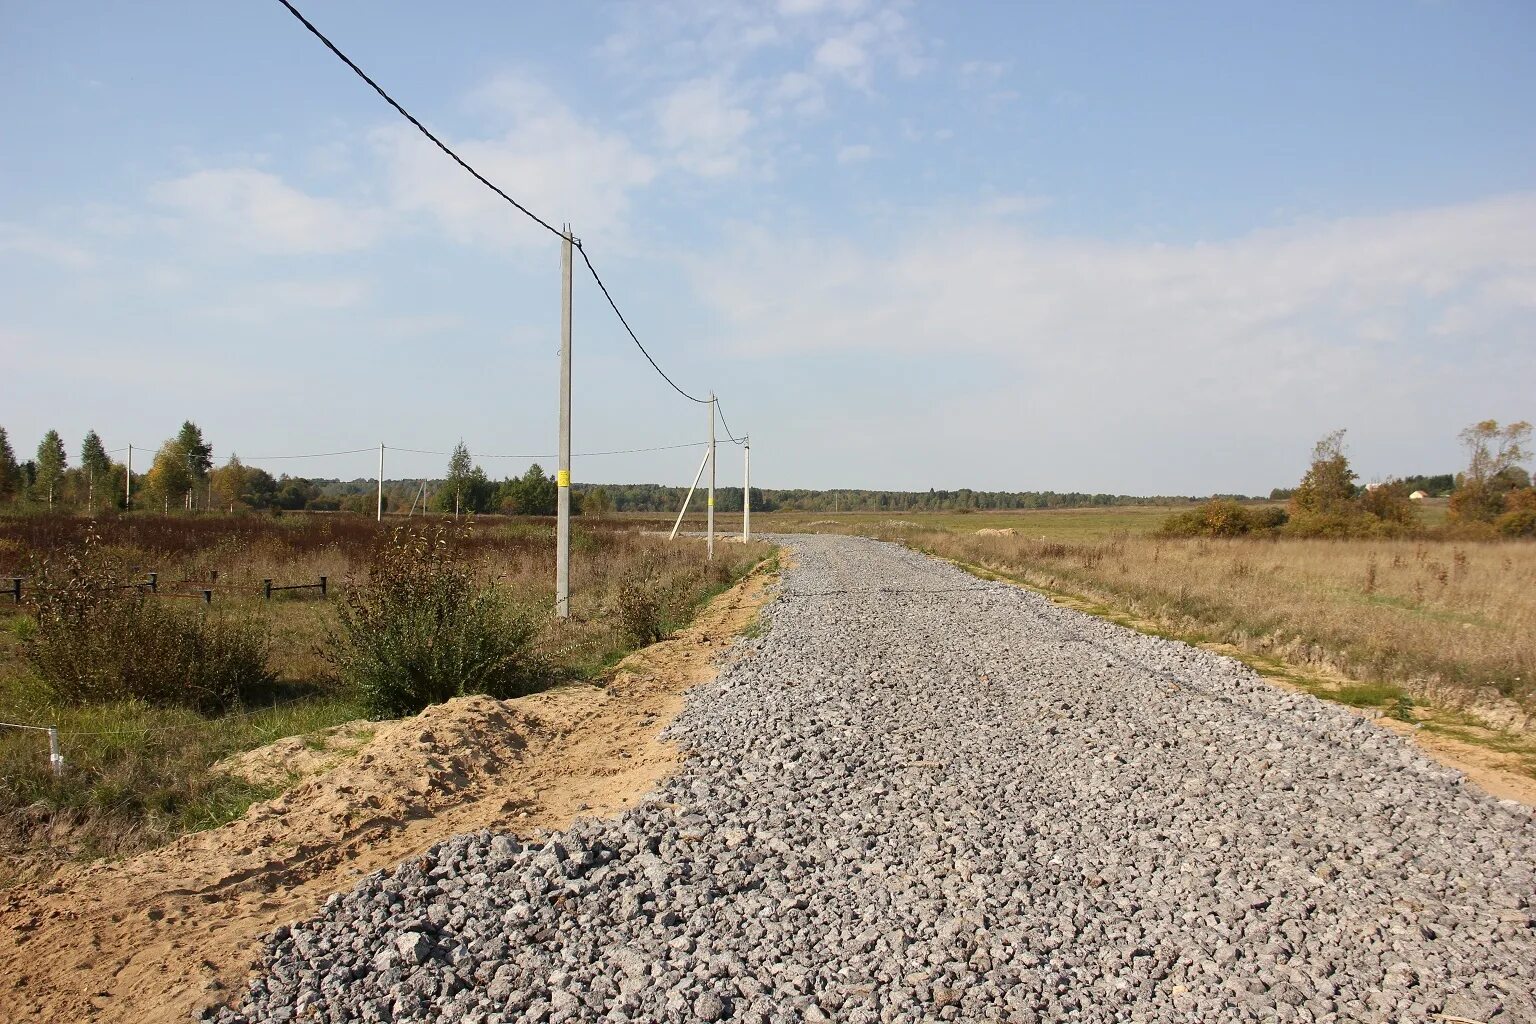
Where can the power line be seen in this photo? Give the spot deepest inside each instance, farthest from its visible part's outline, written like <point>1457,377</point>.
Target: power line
<point>317,455</point>
<point>615,306</point>
<point>488,184</point>
<point>621,451</point>
<point>546,455</point>
<point>721,413</point>
<point>419,126</point>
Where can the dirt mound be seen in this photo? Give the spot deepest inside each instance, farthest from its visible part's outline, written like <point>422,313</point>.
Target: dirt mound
<point>157,936</point>
<point>298,757</point>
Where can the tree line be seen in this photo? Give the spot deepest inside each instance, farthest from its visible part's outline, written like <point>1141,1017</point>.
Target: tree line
<point>1494,489</point>
<point>1493,495</point>
<point>182,476</point>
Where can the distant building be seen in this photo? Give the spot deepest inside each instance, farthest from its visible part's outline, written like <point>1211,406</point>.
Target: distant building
<point>1418,495</point>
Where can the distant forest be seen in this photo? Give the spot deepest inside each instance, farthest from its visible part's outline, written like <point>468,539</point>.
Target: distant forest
<point>659,498</point>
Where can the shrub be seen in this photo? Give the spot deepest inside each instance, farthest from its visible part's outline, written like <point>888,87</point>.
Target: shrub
<point>1220,517</point>
<point>422,628</point>
<point>641,603</point>
<point>1389,502</point>
<point>1270,517</point>
<point>95,642</point>
<point>1519,523</point>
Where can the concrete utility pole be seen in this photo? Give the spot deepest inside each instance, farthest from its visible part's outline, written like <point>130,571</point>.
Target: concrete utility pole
<point>691,488</point>
<point>381,482</point>
<point>563,474</point>
<point>128,481</point>
<point>711,544</point>
<point>746,488</point>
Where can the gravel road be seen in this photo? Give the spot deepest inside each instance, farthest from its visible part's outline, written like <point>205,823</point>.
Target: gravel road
<point>919,796</point>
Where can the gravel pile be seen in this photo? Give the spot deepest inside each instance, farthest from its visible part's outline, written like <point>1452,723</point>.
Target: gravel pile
<point>923,797</point>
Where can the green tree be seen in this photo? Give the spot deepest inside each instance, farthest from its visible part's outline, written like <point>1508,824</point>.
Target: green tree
<point>596,502</point>
<point>229,482</point>
<point>198,452</point>
<point>170,478</point>
<point>260,488</point>
<point>479,491</point>
<point>1389,502</point>
<point>51,463</point>
<point>95,464</point>
<point>459,468</point>
<point>1494,454</point>
<point>1328,488</point>
<point>10,472</point>
<point>295,492</point>
<point>532,494</point>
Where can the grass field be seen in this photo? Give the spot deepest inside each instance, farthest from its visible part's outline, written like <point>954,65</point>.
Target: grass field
<point>139,774</point>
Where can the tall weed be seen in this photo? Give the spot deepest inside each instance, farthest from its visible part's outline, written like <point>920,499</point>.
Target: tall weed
<point>423,628</point>
<point>95,641</point>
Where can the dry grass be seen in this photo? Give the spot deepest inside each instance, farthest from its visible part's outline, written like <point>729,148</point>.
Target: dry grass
<point>138,775</point>
<point>1455,622</point>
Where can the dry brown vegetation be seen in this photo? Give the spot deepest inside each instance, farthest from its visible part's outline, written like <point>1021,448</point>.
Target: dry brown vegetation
<point>137,771</point>
<point>1452,621</point>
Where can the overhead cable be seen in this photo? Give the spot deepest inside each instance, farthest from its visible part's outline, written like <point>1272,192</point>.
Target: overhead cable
<point>490,185</point>
<point>419,126</point>
<point>632,337</point>
<point>316,455</point>
<point>721,413</point>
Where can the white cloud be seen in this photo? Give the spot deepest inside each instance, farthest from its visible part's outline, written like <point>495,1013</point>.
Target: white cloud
<point>1352,321</point>
<point>844,55</point>
<point>798,92</point>
<point>1013,206</point>
<point>270,302</point>
<point>801,8</point>
<point>28,241</point>
<point>550,160</point>
<point>857,153</point>
<point>982,71</point>
<point>257,210</point>
<point>854,49</point>
<point>704,128</point>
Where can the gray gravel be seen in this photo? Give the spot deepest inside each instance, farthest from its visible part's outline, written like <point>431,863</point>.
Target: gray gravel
<point>919,796</point>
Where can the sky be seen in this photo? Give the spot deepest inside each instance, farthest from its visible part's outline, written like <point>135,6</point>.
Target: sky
<point>1134,248</point>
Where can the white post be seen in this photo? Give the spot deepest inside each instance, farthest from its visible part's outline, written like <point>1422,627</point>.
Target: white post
<point>563,473</point>
<point>380,512</point>
<point>128,481</point>
<point>691,488</point>
<point>711,528</point>
<point>746,489</point>
<point>55,759</point>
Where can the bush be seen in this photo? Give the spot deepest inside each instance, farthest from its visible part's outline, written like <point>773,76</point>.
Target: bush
<point>424,629</point>
<point>641,603</point>
<point>1519,523</point>
<point>1389,502</point>
<point>1220,517</point>
<point>94,642</point>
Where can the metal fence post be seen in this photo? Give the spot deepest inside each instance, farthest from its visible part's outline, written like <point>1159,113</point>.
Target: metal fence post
<point>55,759</point>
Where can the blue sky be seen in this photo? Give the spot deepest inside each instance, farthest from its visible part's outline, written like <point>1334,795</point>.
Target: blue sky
<point>1131,248</point>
